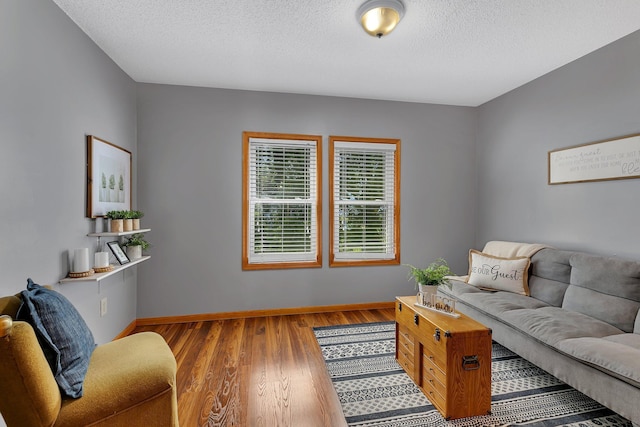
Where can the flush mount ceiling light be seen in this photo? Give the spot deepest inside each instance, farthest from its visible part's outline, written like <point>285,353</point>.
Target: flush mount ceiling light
<point>380,17</point>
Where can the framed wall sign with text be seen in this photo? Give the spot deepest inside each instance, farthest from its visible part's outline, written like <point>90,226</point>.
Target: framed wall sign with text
<point>617,158</point>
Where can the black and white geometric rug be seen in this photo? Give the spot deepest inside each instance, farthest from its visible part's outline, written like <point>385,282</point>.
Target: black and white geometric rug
<point>374,390</point>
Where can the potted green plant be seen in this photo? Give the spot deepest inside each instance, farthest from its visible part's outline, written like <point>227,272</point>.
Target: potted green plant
<point>136,215</point>
<point>127,221</point>
<point>117,221</point>
<point>429,278</point>
<point>135,244</point>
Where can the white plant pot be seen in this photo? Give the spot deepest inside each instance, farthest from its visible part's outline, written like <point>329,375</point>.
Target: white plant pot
<point>134,252</point>
<point>100,225</point>
<point>428,292</point>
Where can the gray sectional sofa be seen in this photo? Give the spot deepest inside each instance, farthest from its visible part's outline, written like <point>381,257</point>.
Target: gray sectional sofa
<point>581,323</point>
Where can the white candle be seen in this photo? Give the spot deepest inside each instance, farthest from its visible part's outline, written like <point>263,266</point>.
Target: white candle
<point>81,260</point>
<point>101,259</point>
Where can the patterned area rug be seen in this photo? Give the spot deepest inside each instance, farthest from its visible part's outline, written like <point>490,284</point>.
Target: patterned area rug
<point>375,391</point>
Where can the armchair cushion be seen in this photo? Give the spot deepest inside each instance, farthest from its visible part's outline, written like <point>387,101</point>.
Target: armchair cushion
<point>65,338</point>
<point>131,381</point>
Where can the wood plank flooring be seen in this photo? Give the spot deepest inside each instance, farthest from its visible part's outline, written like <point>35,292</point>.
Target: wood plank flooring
<point>261,371</point>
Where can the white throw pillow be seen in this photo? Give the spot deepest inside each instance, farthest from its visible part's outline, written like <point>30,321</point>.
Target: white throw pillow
<point>498,274</point>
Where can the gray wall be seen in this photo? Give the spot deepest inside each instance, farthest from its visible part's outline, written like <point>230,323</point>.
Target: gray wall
<point>56,86</point>
<point>594,98</point>
<point>190,186</point>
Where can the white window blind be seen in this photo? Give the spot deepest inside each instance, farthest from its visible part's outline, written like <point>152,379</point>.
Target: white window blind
<point>363,201</point>
<point>282,201</point>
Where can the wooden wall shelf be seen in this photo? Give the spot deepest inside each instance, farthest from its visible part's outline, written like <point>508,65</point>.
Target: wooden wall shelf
<point>100,276</point>
<point>122,233</point>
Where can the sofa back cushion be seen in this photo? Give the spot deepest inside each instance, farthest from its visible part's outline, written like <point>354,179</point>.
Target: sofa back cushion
<point>605,288</point>
<point>550,274</point>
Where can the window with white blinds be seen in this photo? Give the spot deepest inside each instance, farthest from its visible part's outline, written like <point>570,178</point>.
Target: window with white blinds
<point>365,201</point>
<point>282,224</point>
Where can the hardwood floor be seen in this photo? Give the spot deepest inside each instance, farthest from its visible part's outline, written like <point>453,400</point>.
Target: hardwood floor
<point>261,371</point>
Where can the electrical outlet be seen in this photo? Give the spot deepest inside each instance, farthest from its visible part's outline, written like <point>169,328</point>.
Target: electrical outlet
<point>103,307</point>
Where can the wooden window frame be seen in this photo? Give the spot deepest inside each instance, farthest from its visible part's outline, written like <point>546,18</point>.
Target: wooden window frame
<point>246,265</point>
<point>333,261</point>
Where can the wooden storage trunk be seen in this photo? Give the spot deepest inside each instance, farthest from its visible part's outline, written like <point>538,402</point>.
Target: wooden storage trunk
<point>448,358</point>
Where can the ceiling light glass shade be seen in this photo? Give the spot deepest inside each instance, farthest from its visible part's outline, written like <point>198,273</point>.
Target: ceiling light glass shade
<point>380,17</point>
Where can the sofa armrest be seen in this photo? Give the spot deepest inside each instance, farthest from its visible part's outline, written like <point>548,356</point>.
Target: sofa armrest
<point>6,323</point>
<point>30,393</point>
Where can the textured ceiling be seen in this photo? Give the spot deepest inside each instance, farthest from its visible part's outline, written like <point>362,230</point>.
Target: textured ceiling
<point>459,52</point>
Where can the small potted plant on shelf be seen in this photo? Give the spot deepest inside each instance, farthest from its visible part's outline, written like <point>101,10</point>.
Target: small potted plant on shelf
<point>135,216</point>
<point>135,244</point>
<point>127,221</point>
<point>117,221</point>
<point>428,279</point>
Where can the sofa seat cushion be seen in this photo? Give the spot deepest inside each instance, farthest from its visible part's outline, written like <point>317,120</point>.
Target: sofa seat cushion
<point>496,303</point>
<point>126,375</point>
<point>617,355</point>
<point>491,303</point>
<point>551,325</point>
<point>630,340</point>
<point>459,287</point>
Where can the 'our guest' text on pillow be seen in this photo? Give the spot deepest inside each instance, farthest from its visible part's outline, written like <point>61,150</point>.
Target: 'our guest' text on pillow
<point>498,274</point>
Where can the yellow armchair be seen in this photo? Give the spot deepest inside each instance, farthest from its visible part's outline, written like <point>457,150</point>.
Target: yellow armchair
<point>130,381</point>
